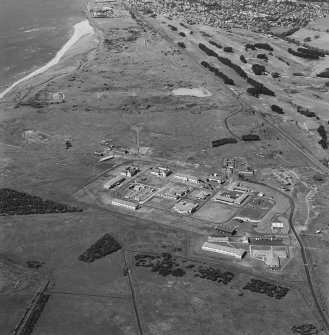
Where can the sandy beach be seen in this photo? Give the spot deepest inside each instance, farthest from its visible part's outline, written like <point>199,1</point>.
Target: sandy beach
<point>81,29</point>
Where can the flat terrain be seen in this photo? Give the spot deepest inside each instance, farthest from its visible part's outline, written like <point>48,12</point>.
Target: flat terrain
<point>120,82</point>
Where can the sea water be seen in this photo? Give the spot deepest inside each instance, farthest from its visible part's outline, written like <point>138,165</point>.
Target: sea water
<point>31,32</point>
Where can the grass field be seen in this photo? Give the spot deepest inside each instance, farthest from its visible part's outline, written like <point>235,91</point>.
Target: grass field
<point>215,212</point>
<point>123,83</point>
<point>68,314</point>
<point>203,306</point>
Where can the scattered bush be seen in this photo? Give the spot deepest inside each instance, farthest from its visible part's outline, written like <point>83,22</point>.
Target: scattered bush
<point>275,74</point>
<point>228,49</point>
<point>103,247</point>
<point>262,287</point>
<point>164,265</point>
<point>223,141</point>
<point>182,34</point>
<point>324,74</point>
<point>305,329</point>
<point>264,46</point>
<point>303,54</point>
<point>217,275</point>
<point>324,140</point>
<point>262,56</point>
<point>305,111</point>
<point>277,109</point>
<point>19,203</point>
<point>34,264</point>
<point>250,137</point>
<point>173,28</point>
<point>181,44</point>
<point>243,59</point>
<point>258,69</point>
<point>217,45</point>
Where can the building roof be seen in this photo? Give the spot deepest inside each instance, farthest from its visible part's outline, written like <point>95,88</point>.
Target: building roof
<point>185,176</point>
<point>267,242</point>
<point>185,206</point>
<point>124,202</point>
<point>115,180</point>
<point>219,247</point>
<point>174,190</point>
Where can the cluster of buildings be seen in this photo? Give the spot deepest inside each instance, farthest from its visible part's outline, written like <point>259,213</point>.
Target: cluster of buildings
<point>174,192</point>
<point>140,192</point>
<point>249,14</point>
<point>185,206</point>
<point>236,194</point>
<point>161,171</point>
<point>116,181</point>
<point>130,171</point>
<point>284,178</point>
<point>101,9</point>
<point>50,97</point>
<point>270,250</point>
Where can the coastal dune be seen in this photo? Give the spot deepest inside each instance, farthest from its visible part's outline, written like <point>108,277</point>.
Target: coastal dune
<point>80,29</point>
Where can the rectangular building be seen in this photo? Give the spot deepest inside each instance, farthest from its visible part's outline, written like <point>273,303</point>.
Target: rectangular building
<point>218,239</point>
<point>114,182</point>
<point>225,250</point>
<point>106,158</point>
<point>130,171</point>
<point>185,207</point>
<point>125,204</point>
<point>217,179</point>
<point>160,171</point>
<point>174,192</point>
<point>186,177</point>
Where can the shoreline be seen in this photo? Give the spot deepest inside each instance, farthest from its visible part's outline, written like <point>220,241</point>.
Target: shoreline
<point>81,29</point>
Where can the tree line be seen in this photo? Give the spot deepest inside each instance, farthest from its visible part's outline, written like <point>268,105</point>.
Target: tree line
<point>258,69</point>
<point>217,73</point>
<point>223,141</point>
<point>262,287</point>
<point>250,137</point>
<point>164,265</point>
<point>13,202</point>
<point>305,53</point>
<point>257,88</point>
<point>255,46</point>
<point>305,111</point>
<point>217,45</point>
<point>324,139</point>
<point>277,109</point>
<point>104,246</point>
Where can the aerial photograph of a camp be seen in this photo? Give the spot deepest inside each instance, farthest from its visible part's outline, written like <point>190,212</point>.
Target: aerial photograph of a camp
<point>164,167</point>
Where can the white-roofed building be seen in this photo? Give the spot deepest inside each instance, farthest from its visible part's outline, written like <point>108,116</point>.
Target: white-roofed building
<point>225,250</point>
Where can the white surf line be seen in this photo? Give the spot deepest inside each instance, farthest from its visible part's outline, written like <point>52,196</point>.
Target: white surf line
<point>80,29</point>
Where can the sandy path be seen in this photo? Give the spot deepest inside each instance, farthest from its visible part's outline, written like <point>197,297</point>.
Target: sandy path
<point>80,29</point>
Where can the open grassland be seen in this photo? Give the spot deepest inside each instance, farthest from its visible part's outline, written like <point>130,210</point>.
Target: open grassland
<point>125,82</point>
<point>18,286</point>
<point>205,306</point>
<point>216,212</point>
<point>67,314</point>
